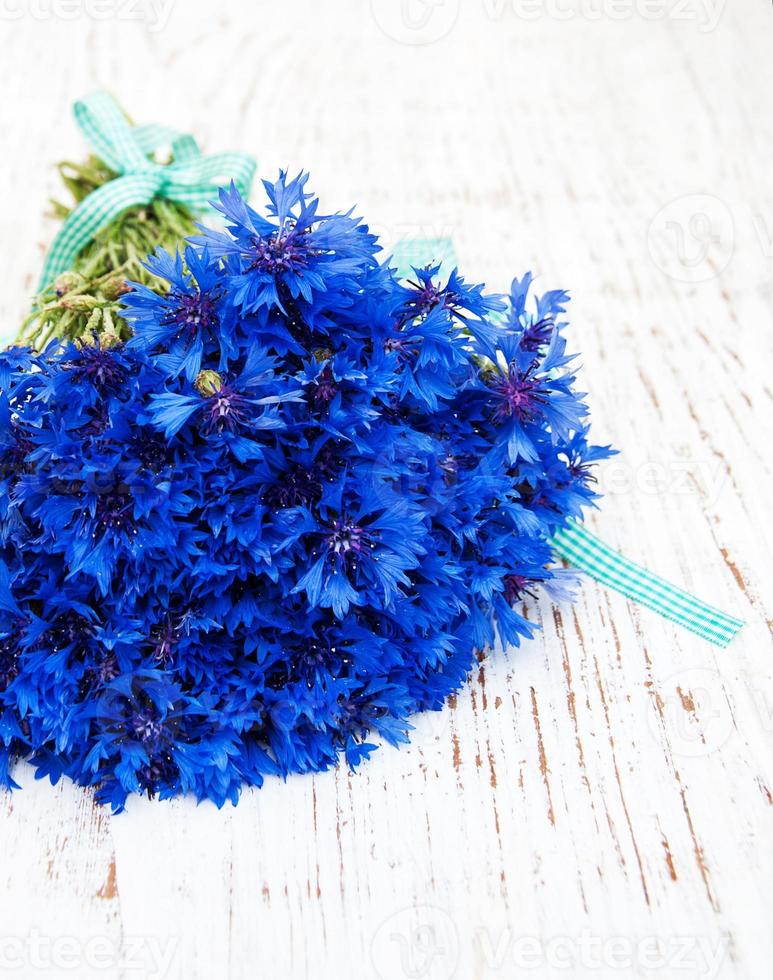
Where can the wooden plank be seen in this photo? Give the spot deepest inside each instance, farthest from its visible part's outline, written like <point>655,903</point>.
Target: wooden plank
<point>603,796</point>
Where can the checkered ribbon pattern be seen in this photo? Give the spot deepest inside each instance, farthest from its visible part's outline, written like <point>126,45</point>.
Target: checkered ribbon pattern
<point>588,553</point>
<point>578,546</point>
<point>190,179</point>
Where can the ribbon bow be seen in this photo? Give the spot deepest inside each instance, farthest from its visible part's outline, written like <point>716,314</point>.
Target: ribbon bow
<point>191,179</point>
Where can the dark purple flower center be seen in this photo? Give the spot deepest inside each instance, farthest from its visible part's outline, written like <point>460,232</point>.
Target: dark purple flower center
<point>357,715</point>
<point>107,669</point>
<point>99,366</point>
<point>99,420</point>
<point>295,487</point>
<point>9,654</point>
<point>516,587</point>
<point>312,659</point>
<point>283,251</point>
<point>114,512</point>
<point>164,637</point>
<point>347,542</point>
<point>449,466</point>
<point>161,769</point>
<point>153,732</point>
<point>428,295</point>
<point>520,395</point>
<point>325,389</point>
<point>193,313</point>
<point>302,484</point>
<point>226,410</point>
<point>324,650</point>
<point>9,666</point>
<point>147,727</point>
<point>400,346</point>
<point>14,457</point>
<point>151,450</point>
<point>70,630</point>
<point>579,469</point>
<point>103,672</point>
<point>316,654</point>
<point>392,344</point>
<point>536,335</point>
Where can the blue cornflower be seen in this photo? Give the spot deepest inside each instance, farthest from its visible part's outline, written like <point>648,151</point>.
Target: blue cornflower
<point>529,395</point>
<point>424,293</point>
<point>236,409</point>
<point>188,322</point>
<point>292,254</point>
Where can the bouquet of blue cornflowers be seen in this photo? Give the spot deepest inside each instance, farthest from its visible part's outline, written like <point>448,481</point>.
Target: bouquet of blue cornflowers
<point>281,517</point>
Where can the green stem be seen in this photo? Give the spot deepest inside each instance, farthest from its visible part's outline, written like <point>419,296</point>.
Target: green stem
<point>90,292</point>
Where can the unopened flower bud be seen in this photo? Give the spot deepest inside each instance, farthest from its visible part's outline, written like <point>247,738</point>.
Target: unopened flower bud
<point>66,282</point>
<point>80,304</point>
<point>109,338</point>
<point>114,288</point>
<point>208,383</point>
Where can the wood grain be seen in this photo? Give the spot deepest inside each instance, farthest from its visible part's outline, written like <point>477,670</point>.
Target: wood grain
<point>599,802</point>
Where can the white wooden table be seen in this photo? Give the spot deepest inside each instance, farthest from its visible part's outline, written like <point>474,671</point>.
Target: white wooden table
<point>599,802</point>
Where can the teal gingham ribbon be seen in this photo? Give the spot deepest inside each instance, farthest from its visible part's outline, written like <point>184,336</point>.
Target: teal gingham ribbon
<point>575,543</point>
<point>191,179</point>
<point>589,554</point>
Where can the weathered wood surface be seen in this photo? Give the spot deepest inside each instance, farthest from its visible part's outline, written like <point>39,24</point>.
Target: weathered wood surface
<point>599,802</point>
